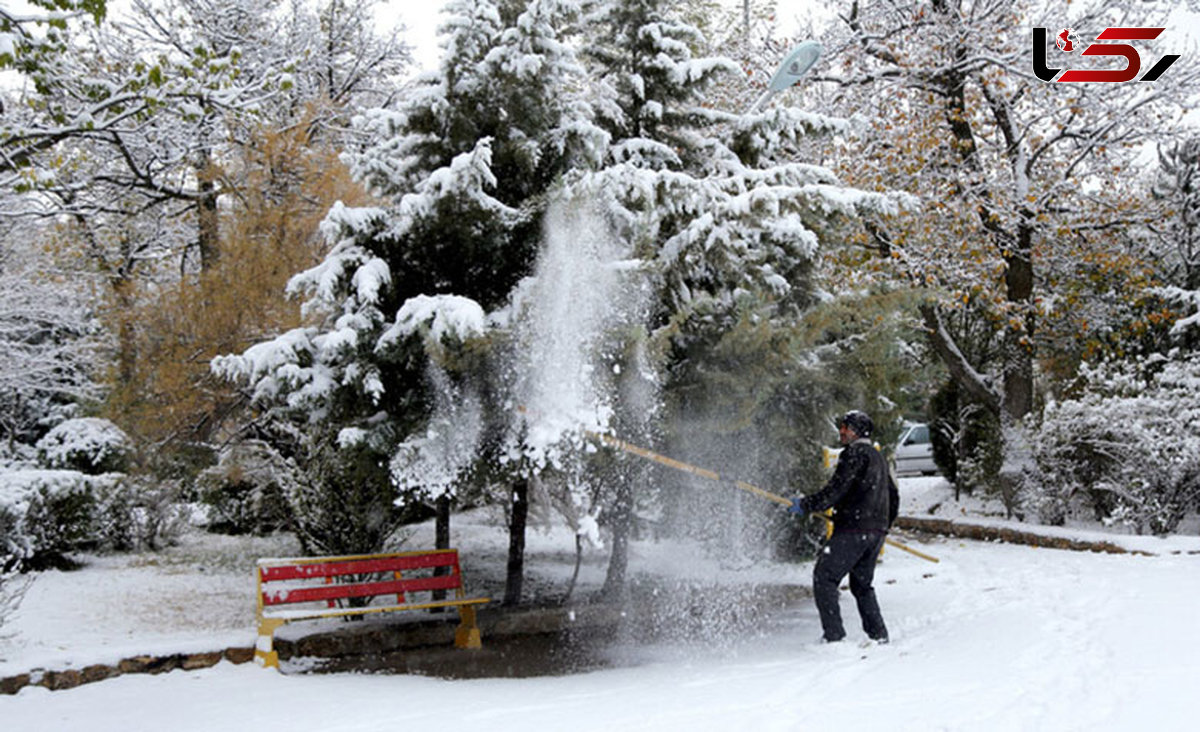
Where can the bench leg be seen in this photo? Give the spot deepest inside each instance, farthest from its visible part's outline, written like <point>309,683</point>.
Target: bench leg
<point>264,648</point>
<point>467,635</point>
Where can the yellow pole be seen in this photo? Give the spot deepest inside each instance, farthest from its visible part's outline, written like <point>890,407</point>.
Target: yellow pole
<point>711,475</point>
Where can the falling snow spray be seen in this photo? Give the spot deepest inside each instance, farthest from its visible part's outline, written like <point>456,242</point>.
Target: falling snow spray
<point>569,306</point>
<point>574,321</point>
<point>582,366</point>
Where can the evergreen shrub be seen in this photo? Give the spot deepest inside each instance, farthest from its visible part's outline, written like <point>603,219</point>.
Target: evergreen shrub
<point>244,491</point>
<point>1126,449</point>
<point>90,445</point>
<point>968,444</point>
<point>136,513</point>
<point>46,515</point>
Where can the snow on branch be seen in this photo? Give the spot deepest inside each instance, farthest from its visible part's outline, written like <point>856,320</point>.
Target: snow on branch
<point>964,373</point>
<point>348,264</point>
<point>1189,298</point>
<point>465,179</point>
<point>272,365</point>
<point>440,316</point>
<point>699,69</point>
<point>643,152</point>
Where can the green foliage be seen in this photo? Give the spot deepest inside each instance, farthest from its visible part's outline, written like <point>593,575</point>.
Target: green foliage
<point>52,514</point>
<point>943,419</point>
<point>246,492</point>
<point>1177,188</point>
<point>967,440</point>
<point>345,503</point>
<point>463,170</point>
<point>871,355</point>
<point>757,403</point>
<point>40,39</point>
<point>13,545</point>
<point>136,513</point>
<point>57,518</point>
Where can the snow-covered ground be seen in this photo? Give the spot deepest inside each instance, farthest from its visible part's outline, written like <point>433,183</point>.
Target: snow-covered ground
<point>994,637</point>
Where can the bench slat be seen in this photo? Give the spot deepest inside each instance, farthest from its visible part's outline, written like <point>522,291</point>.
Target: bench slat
<point>358,566</point>
<point>362,589</point>
<point>303,614</point>
<point>306,586</point>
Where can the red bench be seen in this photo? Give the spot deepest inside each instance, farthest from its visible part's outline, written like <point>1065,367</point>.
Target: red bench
<point>323,587</point>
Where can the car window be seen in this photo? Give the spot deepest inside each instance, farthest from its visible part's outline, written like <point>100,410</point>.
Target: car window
<point>918,436</point>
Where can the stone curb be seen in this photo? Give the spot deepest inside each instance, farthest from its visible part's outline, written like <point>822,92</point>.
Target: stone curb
<point>71,678</point>
<point>1009,535</point>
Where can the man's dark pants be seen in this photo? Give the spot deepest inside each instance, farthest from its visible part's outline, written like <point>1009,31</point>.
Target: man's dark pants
<point>853,553</point>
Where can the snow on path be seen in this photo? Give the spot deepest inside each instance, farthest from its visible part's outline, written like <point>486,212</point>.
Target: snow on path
<point>995,637</point>
<point>196,597</point>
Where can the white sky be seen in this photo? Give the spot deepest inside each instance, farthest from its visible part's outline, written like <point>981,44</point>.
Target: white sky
<point>421,17</point>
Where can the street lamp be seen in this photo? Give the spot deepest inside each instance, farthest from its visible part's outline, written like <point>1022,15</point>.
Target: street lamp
<point>794,66</point>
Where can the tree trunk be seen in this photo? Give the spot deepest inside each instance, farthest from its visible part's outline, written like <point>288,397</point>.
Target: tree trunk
<point>575,573</point>
<point>1018,366</point>
<point>441,531</point>
<point>515,578</point>
<point>125,297</point>
<point>1017,372</point>
<point>208,222</point>
<point>964,374</point>
<point>622,522</point>
<point>441,540</point>
<point>122,288</point>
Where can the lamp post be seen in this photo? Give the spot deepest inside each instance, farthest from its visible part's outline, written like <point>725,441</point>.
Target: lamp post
<point>794,66</point>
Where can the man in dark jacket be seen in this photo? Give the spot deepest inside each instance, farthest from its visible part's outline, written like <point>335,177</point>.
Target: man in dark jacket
<point>864,499</point>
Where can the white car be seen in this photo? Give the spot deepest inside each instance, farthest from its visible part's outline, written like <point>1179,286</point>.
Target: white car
<point>914,452</point>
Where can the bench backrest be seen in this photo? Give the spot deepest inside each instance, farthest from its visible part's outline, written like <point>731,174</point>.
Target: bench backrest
<point>316,579</point>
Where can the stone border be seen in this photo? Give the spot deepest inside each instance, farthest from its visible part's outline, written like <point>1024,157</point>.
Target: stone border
<point>71,678</point>
<point>979,532</point>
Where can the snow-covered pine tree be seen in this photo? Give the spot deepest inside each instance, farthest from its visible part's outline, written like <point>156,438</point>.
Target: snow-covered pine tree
<point>463,165</point>
<point>715,200</point>
<point>714,195</point>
